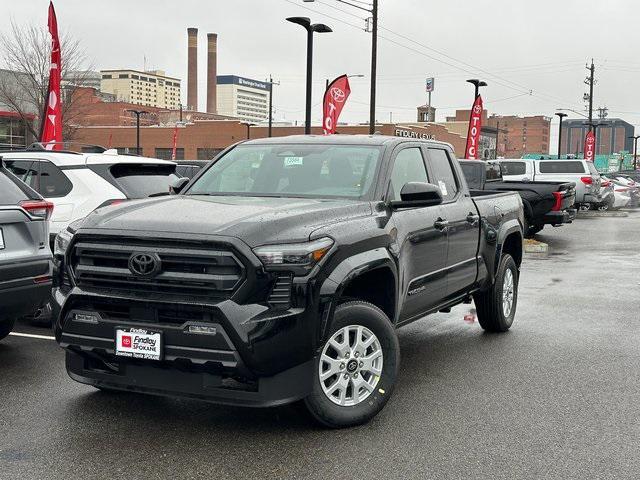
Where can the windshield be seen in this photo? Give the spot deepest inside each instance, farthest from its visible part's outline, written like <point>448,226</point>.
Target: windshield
<point>142,180</point>
<point>318,171</point>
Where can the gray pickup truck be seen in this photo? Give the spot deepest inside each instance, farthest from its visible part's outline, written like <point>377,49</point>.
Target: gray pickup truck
<point>281,271</point>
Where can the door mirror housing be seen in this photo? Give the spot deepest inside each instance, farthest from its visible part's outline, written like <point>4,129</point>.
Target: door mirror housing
<point>176,183</point>
<point>418,194</point>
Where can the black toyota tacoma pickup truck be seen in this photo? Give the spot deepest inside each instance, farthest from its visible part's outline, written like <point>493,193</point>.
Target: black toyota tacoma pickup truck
<point>281,271</point>
<point>545,203</point>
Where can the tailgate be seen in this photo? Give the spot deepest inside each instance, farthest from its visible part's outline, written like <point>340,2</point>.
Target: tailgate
<point>20,237</point>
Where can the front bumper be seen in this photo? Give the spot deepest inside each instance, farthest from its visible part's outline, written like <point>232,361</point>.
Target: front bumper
<point>560,217</point>
<point>257,357</point>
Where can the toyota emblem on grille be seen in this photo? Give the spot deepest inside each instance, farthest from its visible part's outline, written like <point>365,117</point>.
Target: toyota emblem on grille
<point>144,264</point>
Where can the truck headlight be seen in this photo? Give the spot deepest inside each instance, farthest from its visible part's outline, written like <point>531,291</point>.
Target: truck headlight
<point>299,257</point>
<point>63,239</point>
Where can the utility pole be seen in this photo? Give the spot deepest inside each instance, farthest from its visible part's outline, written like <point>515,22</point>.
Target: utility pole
<point>374,62</point>
<point>271,84</point>
<point>590,81</point>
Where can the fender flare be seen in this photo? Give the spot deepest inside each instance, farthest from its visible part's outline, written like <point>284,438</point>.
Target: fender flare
<point>345,272</point>
<point>509,227</point>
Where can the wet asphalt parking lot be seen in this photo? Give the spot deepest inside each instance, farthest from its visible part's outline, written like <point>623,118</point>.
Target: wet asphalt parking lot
<point>556,397</point>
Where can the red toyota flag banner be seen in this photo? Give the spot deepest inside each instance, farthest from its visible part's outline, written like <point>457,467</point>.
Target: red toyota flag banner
<point>473,134</point>
<point>589,146</point>
<point>175,142</point>
<point>51,128</point>
<point>334,99</point>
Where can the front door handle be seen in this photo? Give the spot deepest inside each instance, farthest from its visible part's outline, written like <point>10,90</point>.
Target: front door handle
<point>441,224</point>
<point>472,218</point>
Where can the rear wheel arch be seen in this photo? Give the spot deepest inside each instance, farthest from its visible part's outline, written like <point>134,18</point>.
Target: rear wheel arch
<point>513,246</point>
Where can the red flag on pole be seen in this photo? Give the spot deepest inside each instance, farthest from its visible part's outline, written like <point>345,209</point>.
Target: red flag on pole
<point>51,128</point>
<point>473,134</point>
<point>110,140</point>
<point>175,142</point>
<point>589,146</point>
<point>334,99</point>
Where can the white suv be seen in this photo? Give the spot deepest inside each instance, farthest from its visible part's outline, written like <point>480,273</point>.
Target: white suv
<point>78,183</point>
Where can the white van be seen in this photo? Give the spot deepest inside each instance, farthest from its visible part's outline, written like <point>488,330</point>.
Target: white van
<point>578,171</point>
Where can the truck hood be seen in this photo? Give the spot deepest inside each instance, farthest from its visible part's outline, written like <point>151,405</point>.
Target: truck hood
<point>254,220</point>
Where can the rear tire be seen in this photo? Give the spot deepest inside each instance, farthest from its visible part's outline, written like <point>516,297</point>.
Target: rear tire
<point>365,342</point>
<point>6,326</point>
<point>496,307</point>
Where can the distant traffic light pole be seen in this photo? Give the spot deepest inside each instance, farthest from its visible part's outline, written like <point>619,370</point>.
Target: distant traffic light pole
<point>137,114</point>
<point>310,28</point>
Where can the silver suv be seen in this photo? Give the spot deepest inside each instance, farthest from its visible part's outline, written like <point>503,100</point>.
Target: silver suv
<point>25,256</point>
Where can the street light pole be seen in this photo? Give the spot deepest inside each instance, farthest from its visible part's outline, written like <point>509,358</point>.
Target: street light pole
<point>248,125</point>
<point>310,28</point>
<point>137,113</point>
<point>561,116</point>
<point>477,84</point>
<point>635,150</point>
<point>374,54</point>
<point>374,66</point>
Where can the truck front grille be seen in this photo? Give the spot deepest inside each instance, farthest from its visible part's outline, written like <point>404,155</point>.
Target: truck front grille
<point>185,269</point>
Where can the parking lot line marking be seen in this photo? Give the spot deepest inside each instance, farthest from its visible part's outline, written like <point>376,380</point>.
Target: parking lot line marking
<point>32,335</point>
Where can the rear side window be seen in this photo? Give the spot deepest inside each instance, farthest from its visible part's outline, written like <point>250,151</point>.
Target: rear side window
<point>142,180</point>
<point>53,182</point>
<point>25,170</point>
<point>10,192</point>
<point>443,173</point>
<point>564,166</point>
<point>513,168</point>
<point>408,167</point>
<point>493,171</point>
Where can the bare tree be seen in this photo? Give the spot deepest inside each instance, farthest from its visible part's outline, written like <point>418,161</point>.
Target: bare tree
<point>26,54</point>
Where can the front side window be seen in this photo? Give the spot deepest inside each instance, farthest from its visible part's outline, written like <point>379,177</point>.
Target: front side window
<point>408,167</point>
<point>443,173</point>
<point>318,171</point>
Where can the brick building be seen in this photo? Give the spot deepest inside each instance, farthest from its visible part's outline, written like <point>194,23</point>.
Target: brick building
<point>518,136</point>
<point>203,139</point>
<point>612,136</point>
<point>92,108</point>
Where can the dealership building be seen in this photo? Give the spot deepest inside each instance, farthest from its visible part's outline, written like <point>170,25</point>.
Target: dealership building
<point>243,98</point>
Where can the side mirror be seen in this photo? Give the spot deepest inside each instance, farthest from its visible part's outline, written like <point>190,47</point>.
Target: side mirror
<point>418,194</point>
<point>176,183</point>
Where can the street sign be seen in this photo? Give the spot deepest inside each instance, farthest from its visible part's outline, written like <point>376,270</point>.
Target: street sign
<point>430,84</point>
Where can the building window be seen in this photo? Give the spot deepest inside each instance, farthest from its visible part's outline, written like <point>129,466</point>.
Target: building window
<point>123,75</point>
<point>105,76</point>
<point>208,153</point>
<point>165,153</point>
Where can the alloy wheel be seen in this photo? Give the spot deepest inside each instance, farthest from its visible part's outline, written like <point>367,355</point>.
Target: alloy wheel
<point>350,365</point>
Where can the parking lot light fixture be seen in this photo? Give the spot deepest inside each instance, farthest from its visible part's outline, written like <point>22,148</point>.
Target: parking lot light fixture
<point>561,116</point>
<point>635,151</point>
<point>311,28</point>
<point>137,113</point>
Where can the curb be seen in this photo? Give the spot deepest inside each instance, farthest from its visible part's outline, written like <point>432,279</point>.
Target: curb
<point>590,214</point>
<point>533,246</point>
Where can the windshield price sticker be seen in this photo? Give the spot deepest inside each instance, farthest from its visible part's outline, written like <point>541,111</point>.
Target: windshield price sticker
<point>290,161</point>
<point>443,187</point>
<point>138,343</point>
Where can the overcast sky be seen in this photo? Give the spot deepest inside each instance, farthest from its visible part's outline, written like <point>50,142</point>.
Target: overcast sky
<point>517,46</point>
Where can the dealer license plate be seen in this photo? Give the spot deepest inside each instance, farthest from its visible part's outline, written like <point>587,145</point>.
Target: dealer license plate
<point>138,343</point>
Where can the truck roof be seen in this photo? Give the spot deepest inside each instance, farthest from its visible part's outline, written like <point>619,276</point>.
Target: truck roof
<point>373,140</point>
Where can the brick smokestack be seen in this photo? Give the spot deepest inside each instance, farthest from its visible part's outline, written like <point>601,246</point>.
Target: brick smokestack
<point>192,68</point>
<point>212,72</point>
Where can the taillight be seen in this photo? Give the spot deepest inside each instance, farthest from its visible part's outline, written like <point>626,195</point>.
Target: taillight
<point>622,189</point>
<point>605,183</point>
<point>114,201</point>
<point>38,208</point>
<point>586,180</point>
<point>558,205</point>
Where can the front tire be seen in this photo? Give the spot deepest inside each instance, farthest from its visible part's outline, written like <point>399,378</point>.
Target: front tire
<point>356,368</point>
<point>496,307</point>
